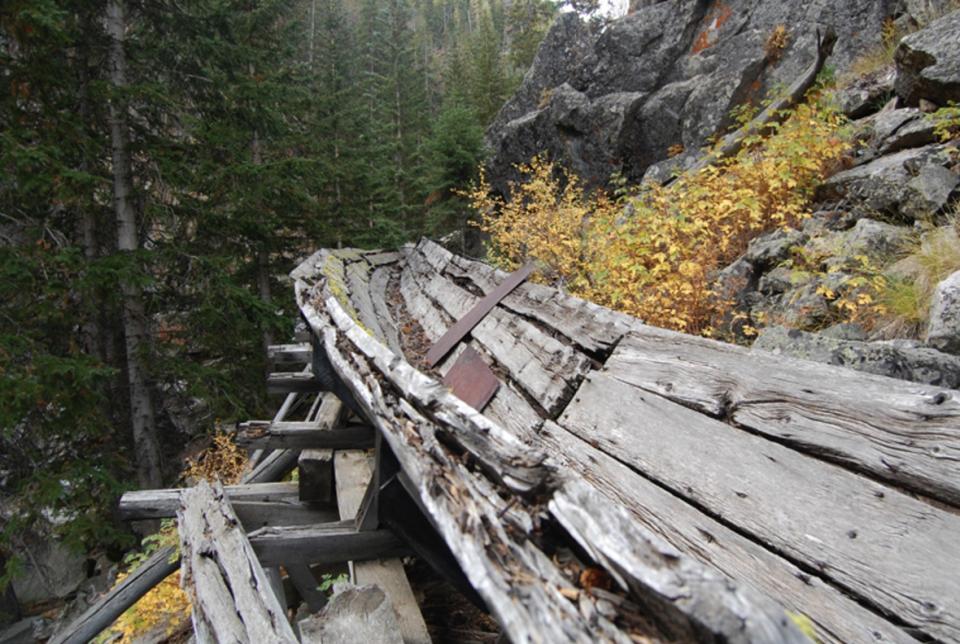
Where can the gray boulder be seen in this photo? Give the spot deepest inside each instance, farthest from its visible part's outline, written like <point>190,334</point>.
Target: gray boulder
<point>51,571</point>
<point>860,97</point>
<point>896,358</point>
<point>362,614</point>
<point>684,65</point>
<point>943,330</point>
<point>928,63</point>
<point>886,185</point>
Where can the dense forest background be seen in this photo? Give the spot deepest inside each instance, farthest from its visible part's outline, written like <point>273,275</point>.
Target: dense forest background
<point>163,164</point>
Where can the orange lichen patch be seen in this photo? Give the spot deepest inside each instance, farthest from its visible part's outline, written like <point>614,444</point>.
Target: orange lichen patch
<point>714,20</point>
<point>701,43</point>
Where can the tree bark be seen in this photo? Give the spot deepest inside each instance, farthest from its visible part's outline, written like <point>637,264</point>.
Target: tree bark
<point>134,319</point>
<point>263,254</point>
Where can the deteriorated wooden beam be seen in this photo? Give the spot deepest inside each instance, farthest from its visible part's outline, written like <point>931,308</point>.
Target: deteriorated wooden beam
<point>333,542</point>
<point>825,518</point>
<point>162,504</point>
<point>121,597</point>
<point>836,617</point>
<point>287,382</point>
<point>267,435</point>
<point>902,432</point>
<point>353,475</point>
<point>290,354</point>
<point>315,479</point>
<point>225,581</point>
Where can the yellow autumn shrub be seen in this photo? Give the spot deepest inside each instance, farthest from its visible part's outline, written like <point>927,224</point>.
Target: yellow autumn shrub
<point>653,254</point>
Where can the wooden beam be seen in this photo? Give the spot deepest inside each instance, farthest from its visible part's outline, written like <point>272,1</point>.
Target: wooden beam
<point>316,476</point>
<point>837,618</point>
<point>259,435</point>
<point>161,504</point>
<point>287,382</point>
<point>290,354</point>
<point>119,598</point>
<point>820,516</point>
<point>223,577</point>
<point>307,585</point>
<point>902,432</point>
<point>333,542</point>
<point>274,466</point>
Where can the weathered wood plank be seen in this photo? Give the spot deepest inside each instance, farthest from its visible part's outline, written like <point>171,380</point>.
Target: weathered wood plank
<point>478,312</point>
<point>541,365</point>
<point>469,514</point>
<point>836,618</point>
<point>161,504</point>
<point>226,584</point>
<point>121,597</point>
<point>379,282</point>
<point>274,466</point>
<point>290,354</point>
<point>358,280</point>
<point>303,436</point>
<point>353,473</point>
<point>815,513</point>
<point>593,328</point>
<point>902,432</point>
<point>333,542</point>
<point>254,515</point>
<point>287,382</point>
<point>383,258</point>
<point>310,267</point>
<point>687,599</point>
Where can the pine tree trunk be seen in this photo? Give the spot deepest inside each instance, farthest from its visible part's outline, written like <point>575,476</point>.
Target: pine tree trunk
<point>142,418</point>
<point>263,256</point>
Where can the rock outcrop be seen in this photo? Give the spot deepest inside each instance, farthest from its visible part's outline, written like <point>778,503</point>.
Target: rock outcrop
<point>928,63</point>
<point>903,359</point>
<point>663,78</point>
<point>943,331</point>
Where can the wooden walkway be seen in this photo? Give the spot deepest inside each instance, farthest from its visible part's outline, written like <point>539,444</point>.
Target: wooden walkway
<point>624,483</point>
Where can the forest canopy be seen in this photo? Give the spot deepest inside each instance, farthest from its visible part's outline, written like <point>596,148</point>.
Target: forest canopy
<point>163,166</point>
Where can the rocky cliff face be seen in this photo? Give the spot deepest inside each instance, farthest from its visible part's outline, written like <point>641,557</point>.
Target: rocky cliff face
<point>668,75</point>
<point>603,100</point>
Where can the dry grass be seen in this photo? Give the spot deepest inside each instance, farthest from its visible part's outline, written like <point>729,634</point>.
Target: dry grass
<point>913,280</point>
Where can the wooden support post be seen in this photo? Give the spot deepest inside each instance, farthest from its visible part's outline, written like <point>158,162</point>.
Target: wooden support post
<point>306,584</point>
<point>353,473</point>
<point>316,475</point>
<point>290,354</point>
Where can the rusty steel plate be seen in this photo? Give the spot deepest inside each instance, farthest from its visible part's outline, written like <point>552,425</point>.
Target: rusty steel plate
<point>471,380</point>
